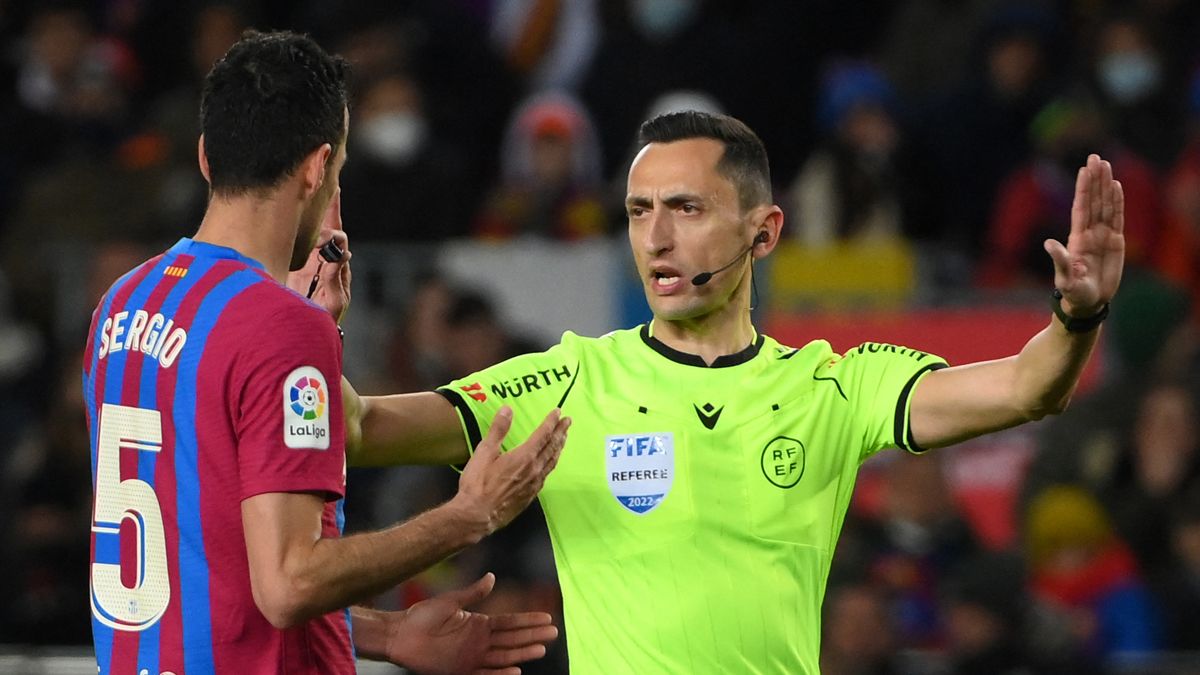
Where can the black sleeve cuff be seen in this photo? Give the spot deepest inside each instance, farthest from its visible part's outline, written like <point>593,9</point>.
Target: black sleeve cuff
<point>903,431</point>
<point>468,417</point>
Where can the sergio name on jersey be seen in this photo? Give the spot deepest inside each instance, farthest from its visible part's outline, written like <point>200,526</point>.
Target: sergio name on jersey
<point>695,509</point>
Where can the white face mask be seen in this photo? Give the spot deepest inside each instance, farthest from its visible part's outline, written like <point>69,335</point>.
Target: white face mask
<point>1129,77</point>
<point>394,138</point>
<point>661,18</point>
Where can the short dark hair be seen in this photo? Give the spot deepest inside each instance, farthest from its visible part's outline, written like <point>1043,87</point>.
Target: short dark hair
<point>744,162</point>
<point>269,102</point>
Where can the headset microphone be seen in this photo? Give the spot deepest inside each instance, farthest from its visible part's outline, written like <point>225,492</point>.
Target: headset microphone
<point>704,277</point>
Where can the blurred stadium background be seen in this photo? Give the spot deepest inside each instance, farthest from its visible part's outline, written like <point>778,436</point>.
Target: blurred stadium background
<point>922,150</point>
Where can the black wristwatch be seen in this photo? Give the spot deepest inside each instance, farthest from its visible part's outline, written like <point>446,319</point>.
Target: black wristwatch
<point>1076,324</point>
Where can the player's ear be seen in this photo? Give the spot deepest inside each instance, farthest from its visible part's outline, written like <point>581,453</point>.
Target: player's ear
<point>203,158</point>
<point>768,225</point>
<point>312,169</point>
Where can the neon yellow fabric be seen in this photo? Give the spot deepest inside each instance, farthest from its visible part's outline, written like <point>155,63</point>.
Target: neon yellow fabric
<point>688,549</point>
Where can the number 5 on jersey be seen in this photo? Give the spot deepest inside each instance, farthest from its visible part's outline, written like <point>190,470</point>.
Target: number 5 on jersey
<point>114,604</point>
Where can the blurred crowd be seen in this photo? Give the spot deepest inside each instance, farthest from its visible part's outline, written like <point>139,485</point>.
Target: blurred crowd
<point>954,125</point>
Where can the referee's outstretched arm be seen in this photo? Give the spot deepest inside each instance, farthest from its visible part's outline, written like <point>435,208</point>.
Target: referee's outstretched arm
<point>955,404</point>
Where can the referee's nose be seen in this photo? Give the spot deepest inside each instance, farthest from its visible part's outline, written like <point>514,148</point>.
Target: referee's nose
<point>659,236</point>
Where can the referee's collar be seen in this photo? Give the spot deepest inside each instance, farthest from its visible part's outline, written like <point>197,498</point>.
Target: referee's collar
<point>687,359</point>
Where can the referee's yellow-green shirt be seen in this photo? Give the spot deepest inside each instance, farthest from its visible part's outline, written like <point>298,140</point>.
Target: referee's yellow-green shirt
<point>695,509</point>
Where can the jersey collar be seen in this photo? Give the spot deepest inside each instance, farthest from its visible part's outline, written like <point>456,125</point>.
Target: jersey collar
<point>686,359</point>
<point>202,249</point>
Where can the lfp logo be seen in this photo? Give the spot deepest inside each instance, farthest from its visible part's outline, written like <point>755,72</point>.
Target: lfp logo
<point>308,398</point>
<point>305,417</point>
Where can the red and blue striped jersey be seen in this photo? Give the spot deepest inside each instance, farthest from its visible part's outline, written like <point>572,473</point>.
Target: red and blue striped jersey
<point>206,382</point>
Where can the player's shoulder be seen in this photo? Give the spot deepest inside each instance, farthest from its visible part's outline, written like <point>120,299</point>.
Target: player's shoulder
<point>273,302</point>
<point>811,355</point>
<point>266,312</point>
<point>617,345</point>
<point>133,277</point>
<point>877,351</point>
<point>612,340</point>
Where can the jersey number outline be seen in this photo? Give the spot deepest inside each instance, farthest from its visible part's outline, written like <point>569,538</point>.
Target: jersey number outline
<point>113,603</point>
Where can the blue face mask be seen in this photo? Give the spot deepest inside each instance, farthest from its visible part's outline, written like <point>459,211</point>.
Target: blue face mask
<point>1129,77</point>
<point>661,18</point>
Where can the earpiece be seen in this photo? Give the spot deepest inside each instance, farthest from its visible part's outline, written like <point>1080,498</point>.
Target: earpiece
<point>762,238</point>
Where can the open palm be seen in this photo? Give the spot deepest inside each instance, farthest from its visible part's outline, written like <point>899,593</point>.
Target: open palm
<point>1088,269</point>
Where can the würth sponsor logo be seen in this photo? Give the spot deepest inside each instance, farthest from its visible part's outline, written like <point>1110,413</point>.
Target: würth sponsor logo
<point>522,384</point>
<point>876,347</point>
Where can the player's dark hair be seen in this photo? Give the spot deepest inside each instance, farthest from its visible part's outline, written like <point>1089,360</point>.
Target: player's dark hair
<point>744,162</point>
<point>269,102</point>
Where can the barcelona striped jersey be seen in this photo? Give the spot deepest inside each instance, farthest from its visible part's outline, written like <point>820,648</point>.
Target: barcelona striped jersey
<point>206,382</point>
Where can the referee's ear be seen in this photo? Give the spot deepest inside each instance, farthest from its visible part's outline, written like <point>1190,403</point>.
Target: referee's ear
<point>768,224</point>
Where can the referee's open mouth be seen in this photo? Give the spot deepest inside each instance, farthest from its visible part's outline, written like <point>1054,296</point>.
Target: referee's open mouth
<point>665,280</point>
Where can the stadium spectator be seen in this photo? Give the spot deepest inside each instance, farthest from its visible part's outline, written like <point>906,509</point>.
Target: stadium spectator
<point>550,183</point>
<point>214,29</point>
<point>862,183</point>
<point>928,43</point>
<point>1180,252</point>
<point>547,43</point>
<point>1177,588</point>
<point>1161,464</point>
<point>1132,78</point>
<point>917,542</point>
<point>1032,202</point>
<point>985,606</point>
<point>859,633</point>
<point>47,497</point>
<point>988,114</point>
<point>408,183</point>
<point>1085,576</point>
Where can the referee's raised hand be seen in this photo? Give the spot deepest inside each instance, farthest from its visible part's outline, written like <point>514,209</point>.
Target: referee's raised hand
<point>498,486</point>
<point>1087,270</point>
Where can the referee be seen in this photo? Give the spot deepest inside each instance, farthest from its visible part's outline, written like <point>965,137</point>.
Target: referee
<point>698,501</point>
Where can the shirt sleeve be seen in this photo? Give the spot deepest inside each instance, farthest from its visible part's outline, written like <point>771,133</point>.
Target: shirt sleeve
<point>288,406</point>
<point>532,384</point>
<point>877,381</point>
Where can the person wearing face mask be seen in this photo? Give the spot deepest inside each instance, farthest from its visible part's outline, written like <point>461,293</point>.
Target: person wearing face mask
<point>1031,200</point>
<point>408,185</point>
<point>1132,78</point>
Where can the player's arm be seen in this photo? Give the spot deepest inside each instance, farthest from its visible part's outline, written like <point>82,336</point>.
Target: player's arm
<point>441,427</point>
<point>439,637</point>
<point>419,428</point>
<point>296,574</point>
<point>954,404</point>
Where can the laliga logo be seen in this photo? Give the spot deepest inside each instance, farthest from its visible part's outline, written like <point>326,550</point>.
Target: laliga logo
<point>308,399</point>
<point>306,419</point>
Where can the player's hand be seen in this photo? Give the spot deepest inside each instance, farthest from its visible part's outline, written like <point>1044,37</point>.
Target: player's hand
<point>1088,269</point>
<point>497,486</point>
<point>333,287</point>
<point>439,637</point>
